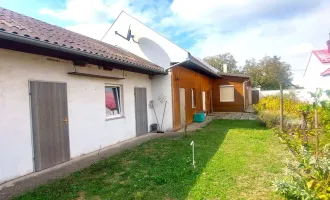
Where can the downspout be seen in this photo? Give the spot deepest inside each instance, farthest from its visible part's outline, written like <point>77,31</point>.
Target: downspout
<point>245,110</point>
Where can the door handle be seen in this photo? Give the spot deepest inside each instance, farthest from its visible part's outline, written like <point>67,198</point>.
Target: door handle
<point>65,120</point>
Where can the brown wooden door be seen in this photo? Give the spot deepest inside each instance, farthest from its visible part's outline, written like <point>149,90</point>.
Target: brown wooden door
<point>182,93</point>
<point>49,112</point>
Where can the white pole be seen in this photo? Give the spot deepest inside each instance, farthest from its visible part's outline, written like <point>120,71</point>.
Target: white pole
<point>193,152</point>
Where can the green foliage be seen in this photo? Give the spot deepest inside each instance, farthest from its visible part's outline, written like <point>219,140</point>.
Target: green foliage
<point>269,72</point>
<point>308,177</point>
<point>230,163</point>
<point>217,61</point>
<point>272,103</point>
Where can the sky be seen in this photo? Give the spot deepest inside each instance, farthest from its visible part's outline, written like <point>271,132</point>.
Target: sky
<point>245,28</point>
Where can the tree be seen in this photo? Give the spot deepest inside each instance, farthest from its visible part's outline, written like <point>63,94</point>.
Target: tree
<point>269,73</point>
<point>217,61</point>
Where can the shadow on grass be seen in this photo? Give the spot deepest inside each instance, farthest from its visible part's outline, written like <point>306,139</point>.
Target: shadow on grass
<point>158,169</point>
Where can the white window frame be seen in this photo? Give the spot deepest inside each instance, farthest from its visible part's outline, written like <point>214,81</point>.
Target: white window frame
<point>121,106</point>
<point>193,103</point>
<point>226,86</point>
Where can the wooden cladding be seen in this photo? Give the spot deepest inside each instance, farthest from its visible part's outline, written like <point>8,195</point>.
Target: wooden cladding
<point>187,79</point>
<point>238,104</point>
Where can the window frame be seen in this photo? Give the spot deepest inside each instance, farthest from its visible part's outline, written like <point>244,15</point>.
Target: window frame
<point>226,86</point>
<point>121,105</point>
<point>193,98</point>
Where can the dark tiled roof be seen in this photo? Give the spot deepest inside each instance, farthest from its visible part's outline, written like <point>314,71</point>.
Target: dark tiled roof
<point>23,26</point>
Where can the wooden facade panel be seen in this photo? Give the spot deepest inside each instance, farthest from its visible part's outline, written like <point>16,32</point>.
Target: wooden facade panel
<point>187,79</point>
<point>238,104</point>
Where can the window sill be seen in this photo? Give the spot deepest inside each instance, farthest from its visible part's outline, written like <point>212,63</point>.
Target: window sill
<point>193,107</point>
<point>227,101</point>
<point>114,117</point>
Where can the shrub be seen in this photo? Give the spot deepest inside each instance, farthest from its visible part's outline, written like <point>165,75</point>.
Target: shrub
<point>291,103</point>
<point>272,119</point>
<point>307,177</point>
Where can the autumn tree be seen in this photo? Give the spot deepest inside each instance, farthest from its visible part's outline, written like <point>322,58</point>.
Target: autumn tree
<point>269,73</point>
<point>217,62</point>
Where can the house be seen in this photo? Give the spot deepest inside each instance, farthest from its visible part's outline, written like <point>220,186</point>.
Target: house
<point>317,73</point>
<point>63,95</point>
<point>192,84</point>
<point>232,93</point>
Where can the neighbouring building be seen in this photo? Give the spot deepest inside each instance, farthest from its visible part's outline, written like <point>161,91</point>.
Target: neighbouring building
<point>63,95</point>
<point>317,73</point>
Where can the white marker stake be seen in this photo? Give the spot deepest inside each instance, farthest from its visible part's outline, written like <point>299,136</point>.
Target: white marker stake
<point>193,152</point>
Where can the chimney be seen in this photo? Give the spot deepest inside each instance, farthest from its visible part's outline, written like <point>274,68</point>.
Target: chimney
<point>328,43</point>
<point>224,68</point>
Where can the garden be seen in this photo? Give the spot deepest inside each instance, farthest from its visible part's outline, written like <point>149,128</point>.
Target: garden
<point>234,160</point>
<point>306,131</point>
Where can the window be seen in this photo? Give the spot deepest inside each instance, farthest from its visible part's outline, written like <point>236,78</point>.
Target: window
<point>113,101</point>
<point>227,93</point>
<point>193,98</point>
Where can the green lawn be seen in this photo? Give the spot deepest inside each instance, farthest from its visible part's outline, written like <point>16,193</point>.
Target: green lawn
<point>234,160</point>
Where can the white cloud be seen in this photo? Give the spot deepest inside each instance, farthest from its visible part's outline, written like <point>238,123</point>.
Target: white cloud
<point>80,11</point>
<point>298,49</point>
<point>95,31</point>
<point>292,39</point>
<point>245,28</point>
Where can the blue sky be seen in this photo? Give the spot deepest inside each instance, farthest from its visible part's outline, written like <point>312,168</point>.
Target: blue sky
<point>245,28</point>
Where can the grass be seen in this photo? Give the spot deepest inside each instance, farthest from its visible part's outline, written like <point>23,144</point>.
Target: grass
<point>234,160</point>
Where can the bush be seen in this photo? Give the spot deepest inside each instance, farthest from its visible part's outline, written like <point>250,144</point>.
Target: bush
<point>291,104</point>
<point>308,177</point>
<point>272,119</point>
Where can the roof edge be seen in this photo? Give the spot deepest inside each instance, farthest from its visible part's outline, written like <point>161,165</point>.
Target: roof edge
<point>38,43</point>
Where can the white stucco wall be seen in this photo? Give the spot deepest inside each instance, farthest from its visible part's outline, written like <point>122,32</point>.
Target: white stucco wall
<point>155,48</point>
<point>162,85</point>
<point>88,128</point>
<point>302,94</point>
<point>312,77</point>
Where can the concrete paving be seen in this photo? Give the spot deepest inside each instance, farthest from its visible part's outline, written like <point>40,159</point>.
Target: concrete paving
<point>235,115</point>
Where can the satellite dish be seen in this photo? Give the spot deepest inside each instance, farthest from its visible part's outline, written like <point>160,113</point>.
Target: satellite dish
<point>129,35</point>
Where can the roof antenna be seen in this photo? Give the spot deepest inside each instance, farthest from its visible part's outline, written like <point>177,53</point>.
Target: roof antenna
<point>129,35</point>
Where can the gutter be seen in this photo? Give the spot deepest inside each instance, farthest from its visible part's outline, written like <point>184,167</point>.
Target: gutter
<point>177,64</point>
<point>42,44</point>
<point>194,63</point>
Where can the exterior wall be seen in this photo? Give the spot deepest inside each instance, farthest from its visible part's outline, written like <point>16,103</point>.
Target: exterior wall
<point>161,87</point>
<point>238,105</point>
<point>155,48</point>
<point>187,79</point>
<point>88,128</point>
<point>312,77</point>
